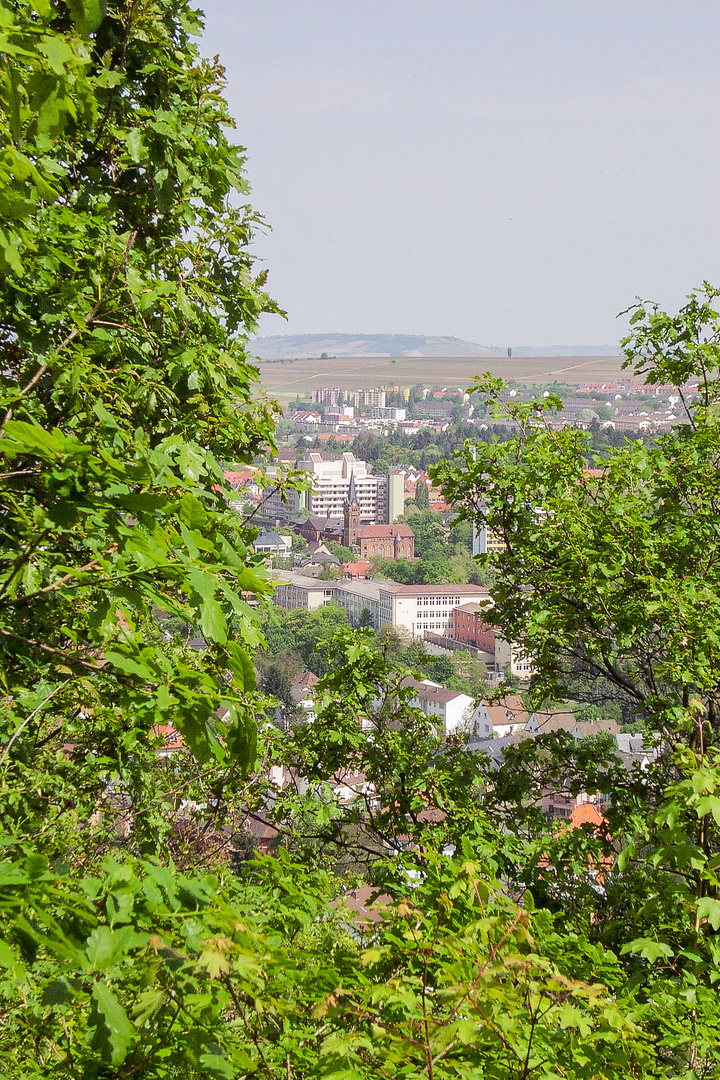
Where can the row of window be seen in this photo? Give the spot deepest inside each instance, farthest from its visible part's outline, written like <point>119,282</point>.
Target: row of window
<point>445,601</point>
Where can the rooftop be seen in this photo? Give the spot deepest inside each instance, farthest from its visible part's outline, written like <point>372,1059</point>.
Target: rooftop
<point>372,532</point>
<point>435,590</point>
<point>474,608</point>
<point>429,691</point>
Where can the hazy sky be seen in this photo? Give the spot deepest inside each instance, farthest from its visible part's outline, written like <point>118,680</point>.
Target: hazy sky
<point>507,171</point>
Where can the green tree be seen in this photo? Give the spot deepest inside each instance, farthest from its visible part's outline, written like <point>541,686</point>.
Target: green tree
<point>428,529</point>
<point>276,682</point>
<point>304,632</point>
<point>613,576</point>
<point>441,669</point>
<point>422,498</point>
<point>343,553</point>
<point>125,300</point>
<point>366,619</point>
<point>609,582</point>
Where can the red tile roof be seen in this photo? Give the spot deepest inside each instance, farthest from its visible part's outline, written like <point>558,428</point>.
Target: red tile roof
<point>380,532</point>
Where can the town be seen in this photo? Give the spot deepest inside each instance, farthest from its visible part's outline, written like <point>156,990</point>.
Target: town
<point>359,684</point>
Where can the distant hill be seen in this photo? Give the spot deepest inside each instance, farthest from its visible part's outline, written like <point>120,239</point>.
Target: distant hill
<point>284,346</point>
<point>304,346</point>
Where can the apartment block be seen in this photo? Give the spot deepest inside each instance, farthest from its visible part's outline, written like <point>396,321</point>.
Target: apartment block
<point>372,399</point>
<point>328,395</point>
<point>330,486</point>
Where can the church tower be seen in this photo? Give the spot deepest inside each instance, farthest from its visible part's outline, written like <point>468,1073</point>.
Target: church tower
<point>351,516</point>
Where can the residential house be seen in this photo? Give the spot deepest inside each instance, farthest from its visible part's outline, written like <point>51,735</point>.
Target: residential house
<point>449,710</point>
<point>301,689</point>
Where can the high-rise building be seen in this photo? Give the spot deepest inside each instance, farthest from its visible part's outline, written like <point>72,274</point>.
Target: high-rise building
<point>328,395</point>
<point>330,487</point>
<point>368,399</point>
<point>395,497</point>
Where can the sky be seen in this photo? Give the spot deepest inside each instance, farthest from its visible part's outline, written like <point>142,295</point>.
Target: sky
<point>509,172</point>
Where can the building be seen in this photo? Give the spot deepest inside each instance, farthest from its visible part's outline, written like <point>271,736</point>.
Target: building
<point>468,626</point>
<point>279,502</point>
<point>373,399</point>
<point>306,421</point>
<point>327,396</point>
<point>387,542</point>
<point>416,609</point>
<point>270,543</point>
<point>395,498</point>
<point>301,689</point>
<point>351,516</point>
<point>486,542</point>
<point>425,608</point>
<point>300,591</point>
<point>388,413</point>
<point>510,657</point>
<point>448,709</point>
<point>330,478</point>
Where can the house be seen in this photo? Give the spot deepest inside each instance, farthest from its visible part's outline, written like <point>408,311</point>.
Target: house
<point>510,716</point>
<point>553,722</point>
<point>172,740</point>
<point>271,543</point>
<point>509,657</point>
<point>301,689</point>
<point>449,709</point>
<point>318,560</point>
<point>348,783</point>
<point>356,571</point>
<point>595,727</point>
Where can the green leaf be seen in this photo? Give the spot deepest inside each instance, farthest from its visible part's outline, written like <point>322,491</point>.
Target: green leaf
<point>111,1032</point>
<point>709,909</point>
<point>135,144</point>
<point>58,992</point>
<point>649,949</point>
<point>214,624</point>
<point>128,665</point>
<point>87,14</point>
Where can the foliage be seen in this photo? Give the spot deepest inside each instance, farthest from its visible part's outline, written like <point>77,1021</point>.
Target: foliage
<point>612,576</point>
<point>306,633</point>
<point>422,498</point>
<point>276,681</point>
<point>126,292</point>
<point>501,948</point>
<point>343,553</point>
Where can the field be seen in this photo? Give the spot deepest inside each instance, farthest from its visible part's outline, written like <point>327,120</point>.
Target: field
<point>283,379</point>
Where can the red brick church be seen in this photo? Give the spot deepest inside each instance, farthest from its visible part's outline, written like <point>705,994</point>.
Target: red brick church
<point>386,542</point>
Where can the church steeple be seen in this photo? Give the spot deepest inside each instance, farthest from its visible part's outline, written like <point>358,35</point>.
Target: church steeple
<point>351,516</point>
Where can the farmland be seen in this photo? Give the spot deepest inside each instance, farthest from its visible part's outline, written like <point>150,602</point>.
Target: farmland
<point>284,379</point>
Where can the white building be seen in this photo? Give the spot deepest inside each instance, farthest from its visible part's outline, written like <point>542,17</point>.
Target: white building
<point>298,591</point>
<point>447,709</point>
<point>388,413</point>
<point>330,484</point>
<point>425,608</point>
<point>414,608</point>
<point>509,657</point>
